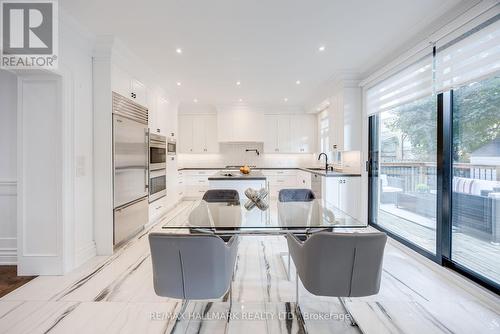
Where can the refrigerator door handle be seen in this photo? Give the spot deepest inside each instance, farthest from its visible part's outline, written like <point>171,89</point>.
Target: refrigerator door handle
<point>130,204</point>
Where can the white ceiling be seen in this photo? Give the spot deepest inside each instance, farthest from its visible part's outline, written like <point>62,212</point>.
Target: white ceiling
<point>265,44</point>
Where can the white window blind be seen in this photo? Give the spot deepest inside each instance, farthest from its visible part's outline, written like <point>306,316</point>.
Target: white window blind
<point>472,58</point>
<point>410,84</point>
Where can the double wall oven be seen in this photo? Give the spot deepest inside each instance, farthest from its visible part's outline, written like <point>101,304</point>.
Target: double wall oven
<point>157,167</point>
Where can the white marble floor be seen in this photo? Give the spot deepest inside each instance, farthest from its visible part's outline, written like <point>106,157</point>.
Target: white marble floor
<point>115,295</point>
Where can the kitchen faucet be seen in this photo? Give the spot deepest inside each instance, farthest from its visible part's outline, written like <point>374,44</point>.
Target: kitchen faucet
<point>326,160</point>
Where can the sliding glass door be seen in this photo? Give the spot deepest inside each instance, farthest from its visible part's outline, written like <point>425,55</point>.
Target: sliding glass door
<point>476,178</point>
<point>407,172</point>
<point>434,142</point>
<point>404,155</point>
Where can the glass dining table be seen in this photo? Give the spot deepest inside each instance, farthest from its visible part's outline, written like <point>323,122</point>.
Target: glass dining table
<point>279,218</point>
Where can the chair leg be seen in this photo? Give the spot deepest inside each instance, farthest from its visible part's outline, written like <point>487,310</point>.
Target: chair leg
<point>289,266</point>
<point>183,307</point>
<point>297,288</point>
<point>230,295</point>
<point>351,318</point>
<point>179,316</point>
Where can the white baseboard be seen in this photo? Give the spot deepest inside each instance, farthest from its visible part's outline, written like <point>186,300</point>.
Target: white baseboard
<point>85,253</point>
<point>8,256</point>
<point>8,244</point>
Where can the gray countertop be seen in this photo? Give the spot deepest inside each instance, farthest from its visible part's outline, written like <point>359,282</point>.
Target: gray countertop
<point>236,175</point>
<point>260,176</point>
<point>322,172</point>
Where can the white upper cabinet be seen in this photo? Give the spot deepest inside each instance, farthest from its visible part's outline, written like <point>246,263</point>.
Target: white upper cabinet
<point>285,133</point>
<point>125,84</point>
<point>185,143</point>
<point>270,134</point>
<point>239,124</point>
<point>138,92</point>
<point>345,119</point>
<point>303,132</point>
<point>198,134</point>
<point>158,114</point>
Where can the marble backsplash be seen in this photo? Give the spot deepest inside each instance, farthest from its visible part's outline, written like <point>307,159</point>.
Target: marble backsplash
<point>234,154</point>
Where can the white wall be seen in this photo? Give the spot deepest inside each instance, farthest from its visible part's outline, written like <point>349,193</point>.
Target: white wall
<point>76,50</point>
<point>55,199</point>
<point>8,165</point>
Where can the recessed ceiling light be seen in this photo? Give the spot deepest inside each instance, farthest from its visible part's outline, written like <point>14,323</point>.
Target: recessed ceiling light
<point>195,100</point>
<point>285,99</point>
<point>238,83</point>
<point>178,83</point>
<point>241,100</point>
<point>321,48</point>
<point>297,82</point>
<point>178,50</point>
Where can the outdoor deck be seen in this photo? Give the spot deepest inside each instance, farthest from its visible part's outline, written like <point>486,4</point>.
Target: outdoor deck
<point>476,254</point>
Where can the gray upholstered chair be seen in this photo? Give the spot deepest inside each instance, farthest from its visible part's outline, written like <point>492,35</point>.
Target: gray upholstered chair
<point>339,264</point>
<point>191,266</point>
<point>222,196</point>
<point>296,195</point>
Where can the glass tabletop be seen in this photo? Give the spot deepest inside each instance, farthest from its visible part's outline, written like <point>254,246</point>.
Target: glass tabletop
<point>280,217</point>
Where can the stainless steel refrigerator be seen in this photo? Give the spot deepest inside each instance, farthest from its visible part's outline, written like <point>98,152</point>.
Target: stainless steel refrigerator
<point>130,167</point>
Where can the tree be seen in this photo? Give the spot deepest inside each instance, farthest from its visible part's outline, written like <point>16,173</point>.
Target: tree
<point>476,120</point>
<point>416,121</point>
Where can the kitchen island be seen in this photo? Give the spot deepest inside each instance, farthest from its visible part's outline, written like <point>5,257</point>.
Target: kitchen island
<point>233,179</point>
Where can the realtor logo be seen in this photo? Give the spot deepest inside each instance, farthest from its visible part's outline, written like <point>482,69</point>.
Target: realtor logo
<point>29,34</point>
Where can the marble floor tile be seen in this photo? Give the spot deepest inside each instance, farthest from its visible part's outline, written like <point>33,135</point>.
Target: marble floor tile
<point>115,295</point>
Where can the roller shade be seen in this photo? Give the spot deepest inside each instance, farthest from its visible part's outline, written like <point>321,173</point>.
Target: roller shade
<point>410,84</point>
<point>469,59</point>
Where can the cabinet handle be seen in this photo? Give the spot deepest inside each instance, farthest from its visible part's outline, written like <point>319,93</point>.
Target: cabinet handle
<point>159,207</point>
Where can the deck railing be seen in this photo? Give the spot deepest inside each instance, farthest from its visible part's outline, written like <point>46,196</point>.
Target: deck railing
<point>410,174</point>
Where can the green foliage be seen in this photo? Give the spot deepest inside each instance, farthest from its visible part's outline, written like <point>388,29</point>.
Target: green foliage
<point>476,120</point>
<point>418,120</point>
<point>422,188</point>
<point>476,117</point>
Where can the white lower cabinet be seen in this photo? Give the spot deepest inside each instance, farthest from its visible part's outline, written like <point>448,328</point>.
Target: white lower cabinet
<point>278,179</point>
<point>180,185</point>
<point>157,209</point>
<point>195,183</point>
<point>344,193</point>
<point>304,179</point>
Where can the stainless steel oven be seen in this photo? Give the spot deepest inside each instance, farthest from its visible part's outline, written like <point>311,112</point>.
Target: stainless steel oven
<point>157,151</point>
<point>157,184</point>
<point>171,146</point>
